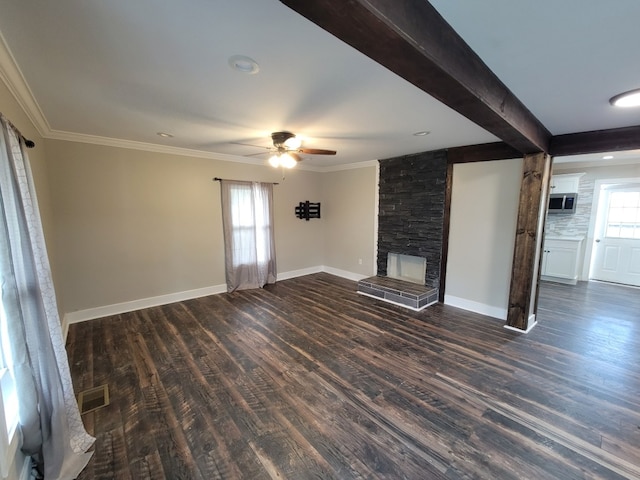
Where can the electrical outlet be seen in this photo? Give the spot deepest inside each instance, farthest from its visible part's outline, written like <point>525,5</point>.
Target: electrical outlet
<point>359,261</point>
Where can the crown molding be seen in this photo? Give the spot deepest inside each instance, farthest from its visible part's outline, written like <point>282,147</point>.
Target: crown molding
<point>351,166</point>
<point>166,149</point>
<point>147,147</point>
<point>12,77</point>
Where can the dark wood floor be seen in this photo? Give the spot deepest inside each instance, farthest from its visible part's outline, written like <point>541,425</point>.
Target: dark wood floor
<point>306,379</point>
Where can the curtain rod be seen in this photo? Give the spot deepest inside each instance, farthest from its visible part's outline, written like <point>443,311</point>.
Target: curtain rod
<point>218,179</point>
<point>27,143</point>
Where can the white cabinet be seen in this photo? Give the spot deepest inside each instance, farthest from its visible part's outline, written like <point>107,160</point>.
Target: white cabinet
<point>560,256</point>
<point>567,183</point>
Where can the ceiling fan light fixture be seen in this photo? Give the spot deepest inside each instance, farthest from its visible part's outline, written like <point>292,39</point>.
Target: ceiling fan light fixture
<point>274,161</point>
<point>626,99</point>
<point>287,161</point>
<point>244,64</point>
<point>293,143</point>
<point>283,160</point>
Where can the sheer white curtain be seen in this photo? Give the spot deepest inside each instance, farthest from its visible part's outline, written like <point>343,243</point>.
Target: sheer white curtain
<point>247,221</point>
<point>49,418</point>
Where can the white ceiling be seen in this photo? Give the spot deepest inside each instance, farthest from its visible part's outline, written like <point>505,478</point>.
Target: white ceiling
<point>111,71</point>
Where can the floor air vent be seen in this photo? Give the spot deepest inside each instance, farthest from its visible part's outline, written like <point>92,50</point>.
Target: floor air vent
<point>93,399</point>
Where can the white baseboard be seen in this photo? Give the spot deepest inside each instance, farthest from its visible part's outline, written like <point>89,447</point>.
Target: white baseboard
<point>321,268</point>
<point>299,273</point>
<point>476,307</point>
<point>532,323</point>
<point>124,307</point>
<point>356,277</point>
<point>567,281</point>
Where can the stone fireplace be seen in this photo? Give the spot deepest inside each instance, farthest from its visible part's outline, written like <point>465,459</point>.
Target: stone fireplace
<point>410,223</point>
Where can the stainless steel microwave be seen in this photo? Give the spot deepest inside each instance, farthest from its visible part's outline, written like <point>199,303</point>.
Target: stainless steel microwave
<point>563,203</point>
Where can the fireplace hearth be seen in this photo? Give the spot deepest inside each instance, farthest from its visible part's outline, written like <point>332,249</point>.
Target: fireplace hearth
<point>399,292</point>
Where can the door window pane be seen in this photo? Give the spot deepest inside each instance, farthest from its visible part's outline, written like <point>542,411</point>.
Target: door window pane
<point>623,217</point>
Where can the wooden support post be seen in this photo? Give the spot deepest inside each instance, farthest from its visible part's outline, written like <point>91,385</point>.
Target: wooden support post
<point>525,273</point>
<point>446,224</point>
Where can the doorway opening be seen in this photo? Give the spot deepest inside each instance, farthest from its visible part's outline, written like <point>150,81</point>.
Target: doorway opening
<point>615,250</point>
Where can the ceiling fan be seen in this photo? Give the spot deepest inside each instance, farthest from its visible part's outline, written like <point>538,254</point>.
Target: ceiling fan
<point>287,149</point>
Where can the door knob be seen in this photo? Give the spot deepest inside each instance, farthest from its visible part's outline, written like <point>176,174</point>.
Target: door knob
<point>597,240</point>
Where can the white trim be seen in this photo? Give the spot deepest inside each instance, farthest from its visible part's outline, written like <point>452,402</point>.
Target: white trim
<point>166,149</point>
<point>351,166</point>
<point>532,323</point>
<point>356,277</point>
<point>12,77</point>
<point>187,152</point>
<point>148,147</point>
<point>65,327</point>
<point>299,273</point>
<point>566,281</point>
<point>124,307</point>
<point>376,219</point>
<point>477,307</point>
<point>615,284</point>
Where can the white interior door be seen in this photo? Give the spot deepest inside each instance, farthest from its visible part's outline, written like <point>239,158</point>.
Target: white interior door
<point>617,248</point>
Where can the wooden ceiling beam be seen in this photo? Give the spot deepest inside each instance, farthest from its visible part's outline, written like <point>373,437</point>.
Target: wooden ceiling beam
<point>482,153</point>
<point>596,141</point>
<point>410,38</point>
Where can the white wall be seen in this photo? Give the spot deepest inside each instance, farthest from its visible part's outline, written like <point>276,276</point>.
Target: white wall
<point>484,209</point>
<point>349,209</point>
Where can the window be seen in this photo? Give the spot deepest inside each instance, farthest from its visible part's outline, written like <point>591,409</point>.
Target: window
<point>9,416</point>
<point>623,216</point>
<point>247,218</point>
<point>251,225</point>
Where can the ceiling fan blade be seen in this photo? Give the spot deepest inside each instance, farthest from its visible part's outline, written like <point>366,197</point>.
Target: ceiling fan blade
<point>251,145</point>
<point>316,151</point>
<point>295,156</point>
<point>255,154</point>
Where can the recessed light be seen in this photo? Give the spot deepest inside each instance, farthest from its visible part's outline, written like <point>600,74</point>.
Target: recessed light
<point>626,99</point>
<point>421,134</point>
<point>164,135</point>
<point>607,157</point>
<point>243,64</point>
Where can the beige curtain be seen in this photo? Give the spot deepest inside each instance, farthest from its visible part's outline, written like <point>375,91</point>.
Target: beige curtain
<point>50,422</point>
<point>247,221</point>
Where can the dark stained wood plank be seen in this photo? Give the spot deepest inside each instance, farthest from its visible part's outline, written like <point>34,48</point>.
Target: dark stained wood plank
<point>597,141</point>
<point>306,379</point>
<point>482,153</point>
<point>411,39</point>
<point>446,228</point>
<point>529,227</point>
